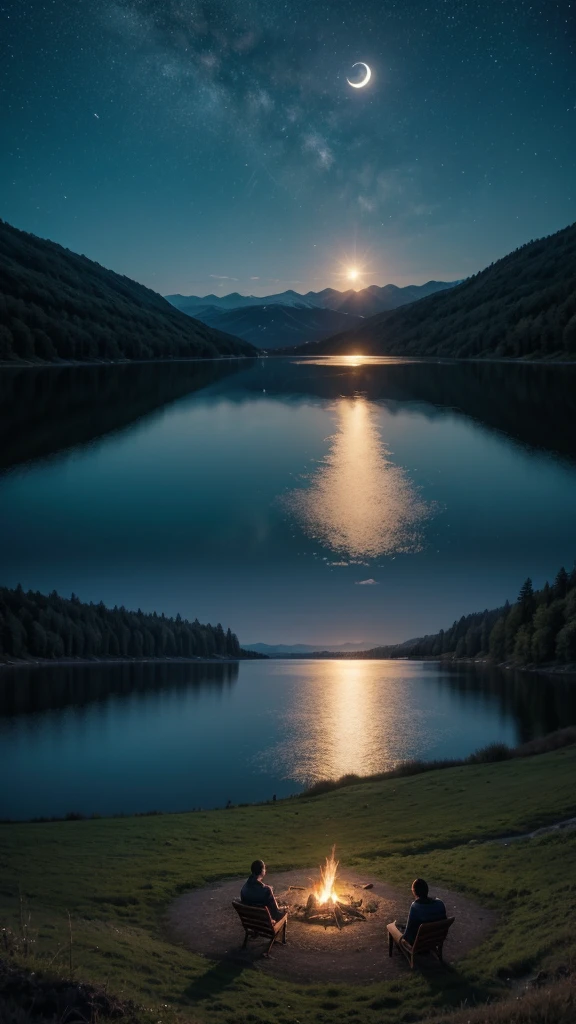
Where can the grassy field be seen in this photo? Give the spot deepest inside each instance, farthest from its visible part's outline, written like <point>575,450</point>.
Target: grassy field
<point>115,877</point>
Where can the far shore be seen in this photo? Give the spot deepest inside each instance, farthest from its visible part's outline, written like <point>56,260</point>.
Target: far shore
<point>67,662</point>
<point>29,364</point>
<point>543,670</point>
<point>547,670</point>
<point>23,364</point>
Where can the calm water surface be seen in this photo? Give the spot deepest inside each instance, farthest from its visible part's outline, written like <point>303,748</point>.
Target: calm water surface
<point>318,502</point>
<point>125,738</point>
<point>295,501</point>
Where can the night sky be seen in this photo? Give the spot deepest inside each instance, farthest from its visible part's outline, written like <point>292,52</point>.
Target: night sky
<point>217,146</point>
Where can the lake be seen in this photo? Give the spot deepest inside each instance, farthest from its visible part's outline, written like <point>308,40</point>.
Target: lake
<point>134,738</point>
<point>296,501</point>
<point>324,502</point>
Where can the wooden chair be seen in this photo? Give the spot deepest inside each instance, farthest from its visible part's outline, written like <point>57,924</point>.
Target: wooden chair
<point>430,937</point>
<point>259,921</point>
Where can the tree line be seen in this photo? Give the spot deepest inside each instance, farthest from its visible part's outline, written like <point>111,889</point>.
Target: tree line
<point>34,625</point>
<point>538,629</point>
<point>55,304</point>
<point>523,306</point>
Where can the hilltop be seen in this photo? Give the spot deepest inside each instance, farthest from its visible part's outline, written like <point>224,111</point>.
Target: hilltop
<point>522,307</point>
<point>56,305</point>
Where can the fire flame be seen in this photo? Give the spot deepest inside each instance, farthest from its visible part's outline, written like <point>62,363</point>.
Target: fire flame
<point>325,892</point>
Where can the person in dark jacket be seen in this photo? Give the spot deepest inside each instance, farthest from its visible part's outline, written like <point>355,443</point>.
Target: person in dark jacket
<point>423,910</point>
<point>257,894</point>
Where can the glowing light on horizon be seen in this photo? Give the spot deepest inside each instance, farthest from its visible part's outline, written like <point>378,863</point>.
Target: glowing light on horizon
<point>355,267</point>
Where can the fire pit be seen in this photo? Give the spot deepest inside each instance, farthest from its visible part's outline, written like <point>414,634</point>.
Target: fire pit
<point>319,950</point>
<point>327,904</point>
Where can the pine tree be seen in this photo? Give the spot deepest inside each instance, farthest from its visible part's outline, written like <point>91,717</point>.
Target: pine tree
<point>526,601</point>
<point>50,626</point>
<point>497,643</point>
<point>561,583</point>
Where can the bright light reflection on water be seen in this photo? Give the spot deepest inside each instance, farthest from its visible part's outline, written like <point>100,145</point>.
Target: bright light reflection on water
<point>362,717</point>
<point>358,503</point>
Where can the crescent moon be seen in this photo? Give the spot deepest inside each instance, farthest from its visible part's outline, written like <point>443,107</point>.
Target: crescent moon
<point>365,80</point>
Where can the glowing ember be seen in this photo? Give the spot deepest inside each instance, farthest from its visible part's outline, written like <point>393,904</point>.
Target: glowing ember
<point>325,892</point>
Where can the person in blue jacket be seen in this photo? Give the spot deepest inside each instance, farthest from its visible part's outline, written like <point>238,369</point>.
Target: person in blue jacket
<point>423,910</point>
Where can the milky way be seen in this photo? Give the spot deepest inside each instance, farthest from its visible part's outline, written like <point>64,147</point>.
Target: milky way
<point>182,142</point>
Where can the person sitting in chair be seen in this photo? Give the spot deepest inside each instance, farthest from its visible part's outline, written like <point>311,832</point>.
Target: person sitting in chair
<point>256,894</point>
<point>423,910</point>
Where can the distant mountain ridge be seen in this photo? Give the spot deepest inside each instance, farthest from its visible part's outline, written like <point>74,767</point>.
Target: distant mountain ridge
<point>364,302</point>
<point>288,318</point>
<point>56,305</point>
<point>521,307</point>
<point>274,650</point>
<point>350,650</point>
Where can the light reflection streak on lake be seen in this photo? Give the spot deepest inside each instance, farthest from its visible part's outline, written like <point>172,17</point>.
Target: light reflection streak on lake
<point>123,738</point>
<point>358,503</point>
<point>359,717</point>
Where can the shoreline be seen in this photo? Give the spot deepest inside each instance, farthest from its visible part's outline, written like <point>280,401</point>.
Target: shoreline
<point>546,670</point>
<point>506,666</point>
<point>550,669</point>
<point>272,354</point>
<point>83,662</point>
<point>492,754</point>
<point>25,364</point>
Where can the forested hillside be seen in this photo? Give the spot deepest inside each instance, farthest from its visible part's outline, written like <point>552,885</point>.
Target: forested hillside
<point>523,306</point>
<point>539,629</point>
<point>39,626</point>
<point>56,305</point>
<point>272,327</point>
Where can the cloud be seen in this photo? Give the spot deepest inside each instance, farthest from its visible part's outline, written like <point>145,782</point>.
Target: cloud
<point>215,65</point>
<point>367,583</point>
<point>316,144</point>
<point>368,205</point>
<point>254,278</point>
<point>223,277</point>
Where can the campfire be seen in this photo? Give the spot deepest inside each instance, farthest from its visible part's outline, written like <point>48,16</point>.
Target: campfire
<point>327,904</point>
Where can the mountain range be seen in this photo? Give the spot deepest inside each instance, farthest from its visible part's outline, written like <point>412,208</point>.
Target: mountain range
<point>280,650</point>
<point>288,318</point>
<point>56,305</point>
<point>523,306</point>
<point>319,650</point>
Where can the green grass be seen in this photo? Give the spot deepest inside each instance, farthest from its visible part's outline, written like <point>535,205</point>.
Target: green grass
<point>116,877</point>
